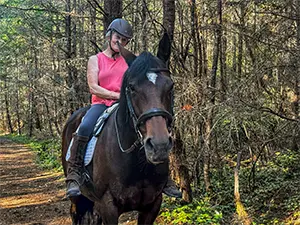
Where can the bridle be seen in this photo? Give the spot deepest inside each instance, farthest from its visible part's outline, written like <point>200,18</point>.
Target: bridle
<point>138,121</point>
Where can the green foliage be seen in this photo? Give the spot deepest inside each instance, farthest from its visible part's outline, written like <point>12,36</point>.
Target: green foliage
<point>48,153</point>
<point>197,212</point>
<point>22,139</point>
<point>271,197</point>
<point>276,193</point>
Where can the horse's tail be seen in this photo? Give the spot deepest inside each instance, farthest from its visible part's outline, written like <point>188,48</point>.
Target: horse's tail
<point>69,128</point>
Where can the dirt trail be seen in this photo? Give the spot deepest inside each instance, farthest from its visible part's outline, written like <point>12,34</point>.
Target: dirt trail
<point>30,195</point>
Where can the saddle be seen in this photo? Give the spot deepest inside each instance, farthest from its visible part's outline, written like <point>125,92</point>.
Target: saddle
<point>97,130</point>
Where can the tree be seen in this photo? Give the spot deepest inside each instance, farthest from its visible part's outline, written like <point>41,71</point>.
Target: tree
<point>113,10</point>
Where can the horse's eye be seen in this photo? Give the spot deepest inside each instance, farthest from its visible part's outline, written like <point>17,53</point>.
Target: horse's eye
<point>131,88</point>
<point>171,93</point>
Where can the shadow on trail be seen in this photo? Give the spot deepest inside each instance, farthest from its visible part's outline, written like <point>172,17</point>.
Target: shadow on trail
<point>28,194</point>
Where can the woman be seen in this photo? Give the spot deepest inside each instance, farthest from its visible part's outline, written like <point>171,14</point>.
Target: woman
<point>104,74</point>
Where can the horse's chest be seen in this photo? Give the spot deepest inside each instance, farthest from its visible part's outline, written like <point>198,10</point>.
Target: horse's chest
<point>137,196</point>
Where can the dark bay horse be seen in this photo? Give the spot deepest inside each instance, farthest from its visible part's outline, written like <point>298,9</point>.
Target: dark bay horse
<point>130,165</point>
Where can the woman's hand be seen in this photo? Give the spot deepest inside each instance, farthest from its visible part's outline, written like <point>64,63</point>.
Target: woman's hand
<point>115,95</point>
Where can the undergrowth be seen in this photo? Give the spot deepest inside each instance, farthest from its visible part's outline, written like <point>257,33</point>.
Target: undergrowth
<point>271,197</point>
<point>275,198</point>
<point>199,211</point>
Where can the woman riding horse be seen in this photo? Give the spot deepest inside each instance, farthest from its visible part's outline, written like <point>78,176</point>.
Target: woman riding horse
<point>104,74</point>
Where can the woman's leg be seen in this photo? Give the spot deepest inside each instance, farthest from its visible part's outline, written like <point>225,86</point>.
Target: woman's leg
<point>78,148</point>
<point>89,121</point>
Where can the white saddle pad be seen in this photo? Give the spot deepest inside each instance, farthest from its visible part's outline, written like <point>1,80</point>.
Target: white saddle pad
<point>89,151</point>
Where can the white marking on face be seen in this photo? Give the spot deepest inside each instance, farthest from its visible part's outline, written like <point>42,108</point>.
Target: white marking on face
<point>152,77</point>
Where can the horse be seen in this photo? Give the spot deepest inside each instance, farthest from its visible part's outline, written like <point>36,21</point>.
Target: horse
<point>130,165</point>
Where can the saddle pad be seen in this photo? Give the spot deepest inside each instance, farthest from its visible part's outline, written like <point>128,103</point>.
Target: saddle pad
<point>92,142</point>
<point>89,151</point>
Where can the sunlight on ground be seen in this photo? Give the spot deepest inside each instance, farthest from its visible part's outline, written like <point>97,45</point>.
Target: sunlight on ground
<point>60,220</point>
<point>23,155</point>
<point>42,176</point>
<point>29,199</point>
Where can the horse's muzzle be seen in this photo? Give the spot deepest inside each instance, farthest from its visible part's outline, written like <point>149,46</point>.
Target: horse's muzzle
<point>157,149</point>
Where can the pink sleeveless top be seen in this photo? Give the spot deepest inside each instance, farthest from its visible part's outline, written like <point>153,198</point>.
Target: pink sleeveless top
<point>110,76</point>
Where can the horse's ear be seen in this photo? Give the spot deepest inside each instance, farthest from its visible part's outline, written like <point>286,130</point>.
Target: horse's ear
<point>164,48</point>
<point>127,55</point>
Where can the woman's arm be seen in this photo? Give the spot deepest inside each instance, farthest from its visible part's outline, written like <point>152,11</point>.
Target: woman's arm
<point>92,78</point>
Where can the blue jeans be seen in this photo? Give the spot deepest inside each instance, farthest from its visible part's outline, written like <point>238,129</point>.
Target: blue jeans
<point>86,127</point>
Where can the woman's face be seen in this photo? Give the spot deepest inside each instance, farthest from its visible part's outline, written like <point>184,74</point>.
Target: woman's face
<point>116,37</point>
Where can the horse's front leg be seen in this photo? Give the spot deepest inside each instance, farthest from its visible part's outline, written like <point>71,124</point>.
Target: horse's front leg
<point>107,209</point>
<point>149,213</point>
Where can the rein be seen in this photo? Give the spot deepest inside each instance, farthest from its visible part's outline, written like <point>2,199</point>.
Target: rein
<point>136,144</point>
<point>137,121</point>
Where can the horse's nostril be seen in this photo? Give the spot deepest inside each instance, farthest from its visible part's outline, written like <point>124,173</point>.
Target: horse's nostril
<point>149,144</point>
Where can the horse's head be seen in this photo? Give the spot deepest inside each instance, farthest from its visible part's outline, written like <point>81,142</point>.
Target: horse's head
<point>147,92</point>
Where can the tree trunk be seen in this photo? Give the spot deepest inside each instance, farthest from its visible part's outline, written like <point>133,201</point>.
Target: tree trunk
<point>70,79</point>
<point>93,28</point>
<point>113,10</point>
<point>49,117</point>
<point>30,114</point>
<point>18,99</point>
<point>194,31</point>
<point>240,41</point>
<point>81,24</point>
<point>178,163</point>
<point>234,54</point>
<point>207,151</point>
<point>241,211</point>
<point>7,109</point>
<point>223,76</point>
<point>144,22</point>
<point>56,115</point>
<point>38,124</point>
<point>211,89</point>
<point>296,105</point>
<point>178,157</point>
<point>195,37</point>
<point>169,17</point>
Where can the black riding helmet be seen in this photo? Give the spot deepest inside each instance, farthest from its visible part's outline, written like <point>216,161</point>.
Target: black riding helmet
<point>122,27</point>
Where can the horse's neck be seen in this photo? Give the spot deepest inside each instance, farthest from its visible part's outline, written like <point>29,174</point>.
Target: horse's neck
<point>126,131</point>
<point>134,165</point>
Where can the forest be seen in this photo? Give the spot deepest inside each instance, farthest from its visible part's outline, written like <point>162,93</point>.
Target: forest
<point>236,69</point>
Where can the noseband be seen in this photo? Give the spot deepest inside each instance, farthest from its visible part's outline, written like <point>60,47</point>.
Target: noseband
<point>138,121</point>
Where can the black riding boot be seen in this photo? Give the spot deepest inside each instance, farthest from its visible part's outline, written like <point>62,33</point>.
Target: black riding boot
<point>171,190</point>
<point>75,166</point>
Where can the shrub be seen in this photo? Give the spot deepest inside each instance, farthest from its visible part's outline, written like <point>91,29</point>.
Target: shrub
<point>197,212</point>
